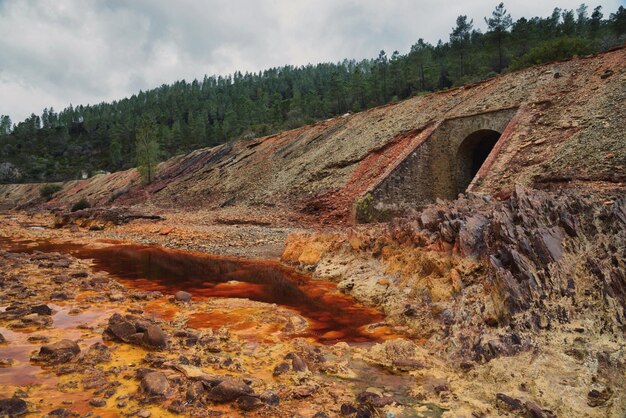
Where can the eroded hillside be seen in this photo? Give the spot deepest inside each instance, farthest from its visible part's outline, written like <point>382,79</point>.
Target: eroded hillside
<point>567,131</point>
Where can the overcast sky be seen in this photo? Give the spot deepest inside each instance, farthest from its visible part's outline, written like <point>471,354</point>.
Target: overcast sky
<point>57,52</point>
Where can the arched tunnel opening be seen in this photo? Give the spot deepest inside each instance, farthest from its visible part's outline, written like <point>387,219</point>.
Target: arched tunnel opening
<point>471,155</point>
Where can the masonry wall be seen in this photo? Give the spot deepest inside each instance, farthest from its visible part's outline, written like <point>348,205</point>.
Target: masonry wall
<point>431,171</point>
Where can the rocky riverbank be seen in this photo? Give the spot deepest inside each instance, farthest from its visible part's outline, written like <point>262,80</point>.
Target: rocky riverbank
<point>493,308</point>
<point>526,295</point>
<point>76,342</point>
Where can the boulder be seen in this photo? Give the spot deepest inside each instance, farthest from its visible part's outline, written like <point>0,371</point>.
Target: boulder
<point>97,402</point>
<point>508,403</point>
<point>41,310</point>
<point>347,409</point>
<point>97,353</point>
<point>195,391</point>
<point>303,391</point>
<point>155,384</point>
<point>249,403</point>
<point>228,390</point>
<point>38,339</point>
<point>153,337</point>
<point>5,362</point>
<point>597,398</point>
<point>535,411</point>
<point>281,368</point>
<point>116,297</point>
<point>177,407</point>
<point>297,363</point>
<point>121,330</point>
<point>374,398</point>
<point>13,407</point>
<point>59,352</point>
<point>136,330</point>
<point>182,296</point>
<point>270,398</point>
<point>36,320</point>
<point>14,312</point>
<point>197,374</point>
<point>61,296</point>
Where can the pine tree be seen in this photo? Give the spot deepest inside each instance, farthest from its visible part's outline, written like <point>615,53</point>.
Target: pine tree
<point>618,21</point>
<point>115,146</point>
<point>337,92</point>
<point>499,24</point>
<point>358,89</point>
<point>596,20</point>
<point>177,136</point>
<point>5,125</point>
<point>582,20</point>
<point>382,65</point>
<point>197,129</point>
<point>147,149</point>
<point>420,57</point>
<point>460,38</point>
<point>568,27</point>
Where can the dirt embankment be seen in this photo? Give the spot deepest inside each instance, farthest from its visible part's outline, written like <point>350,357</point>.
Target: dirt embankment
<point>528,294</point>
<point>568,132</point>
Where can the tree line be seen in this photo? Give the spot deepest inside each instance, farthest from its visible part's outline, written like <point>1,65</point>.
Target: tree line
<point>184,115</point>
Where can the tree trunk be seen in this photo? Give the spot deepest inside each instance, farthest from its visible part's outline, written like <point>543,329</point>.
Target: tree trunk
<point>500,58</point>
<point>462,62</point>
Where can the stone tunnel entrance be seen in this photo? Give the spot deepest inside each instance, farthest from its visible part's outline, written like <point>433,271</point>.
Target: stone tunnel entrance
<point>441,166</point>
<point>471,155</point>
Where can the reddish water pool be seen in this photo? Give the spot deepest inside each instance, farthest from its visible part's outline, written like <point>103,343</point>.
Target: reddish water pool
<point>333,316</point>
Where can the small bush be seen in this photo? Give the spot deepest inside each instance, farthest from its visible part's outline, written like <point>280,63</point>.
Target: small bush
<point>117,194</point>
<point>49,190</point>
<point>80,205</point>
<point>490,74</point>
<point>366,212</point>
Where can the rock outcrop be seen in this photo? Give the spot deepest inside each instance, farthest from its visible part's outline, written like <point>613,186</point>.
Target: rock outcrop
<point>486,275</point>
<point>543,250</point>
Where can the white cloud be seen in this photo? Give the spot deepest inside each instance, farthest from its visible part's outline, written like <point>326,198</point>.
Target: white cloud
<point>56,52</point>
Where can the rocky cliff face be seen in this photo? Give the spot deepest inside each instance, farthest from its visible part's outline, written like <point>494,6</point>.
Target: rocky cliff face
<point>543,250</point>
<point>490,283</point>
<point>486,274</point>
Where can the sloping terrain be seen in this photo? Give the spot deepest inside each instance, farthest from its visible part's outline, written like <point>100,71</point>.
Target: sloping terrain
<point>568,131</point>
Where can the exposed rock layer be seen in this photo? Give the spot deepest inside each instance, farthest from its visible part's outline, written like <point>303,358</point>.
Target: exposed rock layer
<point>487,282</point>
